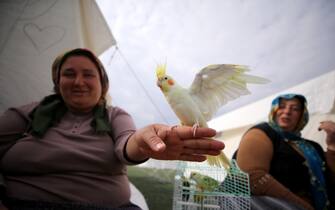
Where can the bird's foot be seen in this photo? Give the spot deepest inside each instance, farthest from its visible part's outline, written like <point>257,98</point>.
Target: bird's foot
<point>195,127</point>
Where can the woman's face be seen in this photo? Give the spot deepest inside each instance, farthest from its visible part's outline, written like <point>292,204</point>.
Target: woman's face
<point>80,84</point>
<point>289,114</point>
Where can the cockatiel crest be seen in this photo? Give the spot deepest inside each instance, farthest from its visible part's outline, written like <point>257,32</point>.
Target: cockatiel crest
<point>160,71</point>
<point>163,81</point>
<point>212,87</point>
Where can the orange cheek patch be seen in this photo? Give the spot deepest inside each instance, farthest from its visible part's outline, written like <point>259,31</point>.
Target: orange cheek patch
<point>170,82</point>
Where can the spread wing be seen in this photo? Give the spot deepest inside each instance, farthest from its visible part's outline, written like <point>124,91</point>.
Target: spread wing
<point>215,85</point>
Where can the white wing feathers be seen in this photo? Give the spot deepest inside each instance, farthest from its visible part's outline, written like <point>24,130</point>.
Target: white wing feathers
<point>215,85</point>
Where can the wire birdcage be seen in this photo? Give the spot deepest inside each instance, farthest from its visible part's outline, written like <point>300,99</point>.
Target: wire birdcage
<point>216,189</point>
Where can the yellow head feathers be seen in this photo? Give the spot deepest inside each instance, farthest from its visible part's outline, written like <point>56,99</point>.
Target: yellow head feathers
<point>160,70</point>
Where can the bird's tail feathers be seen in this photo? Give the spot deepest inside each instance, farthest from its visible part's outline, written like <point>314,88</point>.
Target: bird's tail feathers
<point>221,161</point>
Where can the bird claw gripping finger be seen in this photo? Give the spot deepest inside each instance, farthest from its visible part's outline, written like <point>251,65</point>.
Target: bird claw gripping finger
<point>195,127</point>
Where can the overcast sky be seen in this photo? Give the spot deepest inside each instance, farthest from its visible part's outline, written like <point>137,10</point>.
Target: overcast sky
<point>288,42</point>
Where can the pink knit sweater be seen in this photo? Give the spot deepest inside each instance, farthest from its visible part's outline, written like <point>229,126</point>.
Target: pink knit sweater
<point>70,162</point>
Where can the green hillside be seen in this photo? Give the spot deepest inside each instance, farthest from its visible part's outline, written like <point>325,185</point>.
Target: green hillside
<point>156,185</point>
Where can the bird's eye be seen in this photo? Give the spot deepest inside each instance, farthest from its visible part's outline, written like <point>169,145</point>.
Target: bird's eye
<point>165,78</point>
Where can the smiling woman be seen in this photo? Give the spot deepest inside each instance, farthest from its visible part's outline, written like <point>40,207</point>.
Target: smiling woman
<point>79,86</point>
<point>70,150</point>
<point>81,80</point>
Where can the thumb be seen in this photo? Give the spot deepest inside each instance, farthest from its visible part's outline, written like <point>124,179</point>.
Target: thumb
<point>153,138</point>
<point>157,144</point>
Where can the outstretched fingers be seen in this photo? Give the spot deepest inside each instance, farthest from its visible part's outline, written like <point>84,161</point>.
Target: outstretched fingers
<point>186,132</point>
<point>203,146</point>
<point>179,143</point>
<point>201,151</point>
<point>192,157</point>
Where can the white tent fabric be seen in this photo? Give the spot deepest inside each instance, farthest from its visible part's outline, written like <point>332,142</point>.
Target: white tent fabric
<point>137,197</point>
<point>33,33</point>
<point>319,92</point>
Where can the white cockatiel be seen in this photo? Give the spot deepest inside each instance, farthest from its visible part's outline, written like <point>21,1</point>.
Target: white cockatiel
<point>212,87</point>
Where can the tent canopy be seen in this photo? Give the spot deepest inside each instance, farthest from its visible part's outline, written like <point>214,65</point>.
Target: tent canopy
<point>33,33</point>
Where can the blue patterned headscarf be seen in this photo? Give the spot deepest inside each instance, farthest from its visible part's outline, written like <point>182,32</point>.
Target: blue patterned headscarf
<point>314,162</point>
<point>275,106</point>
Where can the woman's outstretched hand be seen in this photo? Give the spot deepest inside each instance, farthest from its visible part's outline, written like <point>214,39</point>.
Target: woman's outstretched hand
<point>163,142</point>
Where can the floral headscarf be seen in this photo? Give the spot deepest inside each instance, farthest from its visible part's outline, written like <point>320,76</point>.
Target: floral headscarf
<point>314,162</point>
